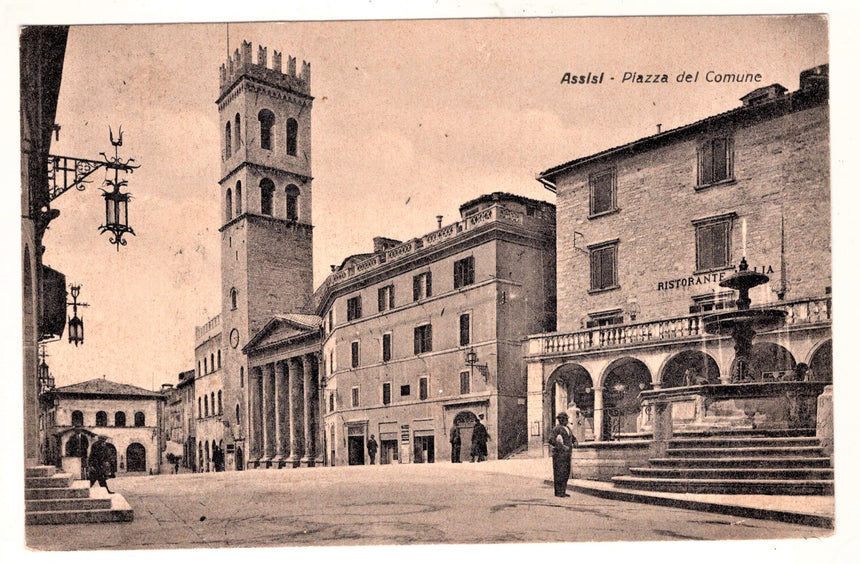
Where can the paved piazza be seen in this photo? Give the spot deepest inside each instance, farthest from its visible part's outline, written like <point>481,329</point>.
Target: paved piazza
<point>383,505</point>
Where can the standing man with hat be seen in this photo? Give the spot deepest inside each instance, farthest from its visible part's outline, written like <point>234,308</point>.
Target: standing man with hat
<point>561,443</point>
<point>100,468</point>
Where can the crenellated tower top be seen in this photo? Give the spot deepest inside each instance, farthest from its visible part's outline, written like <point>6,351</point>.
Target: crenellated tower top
<point>241,64</point>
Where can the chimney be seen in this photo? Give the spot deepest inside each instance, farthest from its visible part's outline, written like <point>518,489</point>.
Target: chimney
<point>439,222</point>
<point>764,94</point>
<point>659,125</point>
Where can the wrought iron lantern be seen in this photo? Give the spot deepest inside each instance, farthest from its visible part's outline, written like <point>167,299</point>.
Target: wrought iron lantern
<point>116,202</point>
<point>46,381</point>
<point>471,357</point>
<point>76,324</point>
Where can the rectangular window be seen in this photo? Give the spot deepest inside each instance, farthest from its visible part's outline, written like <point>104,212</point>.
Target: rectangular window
<point>405,390</point>
<point>331,402</point>
<point>423,339</point>
<point>331,361</point>
<point>602,191</point>
<point>386,347</point>
<point>715,161</point>
<point>354,354</point>
<point>422,286</point>
<point>423,388</point>
<point>465,384</point>
<point>353,308</point>
<point>330,320</point>
<point>355,397</point>
<point>713,237</point>
<point>604,266</point>
<point>385,297</point>
<point>386,393</point>
<point>605,318</point>
<point>465,329</point>
<point>464,272</point>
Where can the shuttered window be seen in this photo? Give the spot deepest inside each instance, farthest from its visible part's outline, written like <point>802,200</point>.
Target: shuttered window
<point>715,161</point>
<point>602,192</point>
<point>422,286</point>
<point>464,272</point>
<point>712,243</point>
<point>423,339</point>
<point>604,266</point>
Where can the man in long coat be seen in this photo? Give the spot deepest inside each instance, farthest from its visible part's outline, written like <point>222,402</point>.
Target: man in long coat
<point>561,444</point>
<point>455,444</point>
<point>479,441</point>
<point>99,467</point>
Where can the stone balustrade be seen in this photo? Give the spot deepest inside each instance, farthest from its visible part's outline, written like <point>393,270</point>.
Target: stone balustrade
<point>799,312</point>
<point>202,330</point>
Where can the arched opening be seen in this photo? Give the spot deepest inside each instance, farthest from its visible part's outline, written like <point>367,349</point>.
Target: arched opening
<point>234,296</point>
<point>240,459</point>
<point>771,362</point>
<point>821,363</point>
<point>690,368</point>
<point>267,193</point>
<point>292,136</point>
<point>139,419</point>
<point>465,421</point>
<point>238,421</point>
<point>228,205</point>
<point>219,358</point>
<point>239,198</point>
<point>135,458</point>
<point>205,406</point>
<point>199,408</point>
<point>212,362</point>
<point>77,418</point>
<point>267,121</point>
<point>625,379</point>
<point>570,387</point>
<point>241,376</point>
<point>101,419</point>
<point>219,403</point>
<point>217,458</point>
<point>228,142</point>
<point>111,451</point>
<point>205,366</point>
<point>238,131</point>
<point>206,459</point>
<point>212,400</point>
<point>119,419</point>
<point>200,457</point>
<point>292,194</point>
<point>77,445</point>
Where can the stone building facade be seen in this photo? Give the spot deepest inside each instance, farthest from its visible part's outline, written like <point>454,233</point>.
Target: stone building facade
<point>425,335</point>
<point>131,418</point>
<point>180,420</point>
<point>647,230</point>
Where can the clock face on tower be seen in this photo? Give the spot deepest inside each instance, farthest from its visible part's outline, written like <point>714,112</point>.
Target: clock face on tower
<point>234,338</point>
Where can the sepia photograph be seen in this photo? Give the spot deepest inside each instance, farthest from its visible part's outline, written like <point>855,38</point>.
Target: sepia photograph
<point>383,282</point>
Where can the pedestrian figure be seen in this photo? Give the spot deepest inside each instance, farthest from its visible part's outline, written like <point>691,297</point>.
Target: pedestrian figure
<point>372,447</point>
<point>561,446</point>
<point>479,440</point>
<point>99,467</point>
<point>455,444</point>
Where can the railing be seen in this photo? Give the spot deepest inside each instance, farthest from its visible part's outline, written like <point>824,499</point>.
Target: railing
<point>483,217</point>
<point>799,312</point>
<point>201,330</point>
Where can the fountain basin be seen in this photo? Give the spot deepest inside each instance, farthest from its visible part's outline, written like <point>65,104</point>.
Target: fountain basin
<point>756,319</point>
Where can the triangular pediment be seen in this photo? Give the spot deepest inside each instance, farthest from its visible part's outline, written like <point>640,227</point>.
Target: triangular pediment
<point>284,328</point>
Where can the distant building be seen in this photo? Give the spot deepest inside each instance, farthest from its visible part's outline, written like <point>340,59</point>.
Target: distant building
<point>647,230</point>
<point>426,335</point>
<point>131,418</point>
<point>179,420</point>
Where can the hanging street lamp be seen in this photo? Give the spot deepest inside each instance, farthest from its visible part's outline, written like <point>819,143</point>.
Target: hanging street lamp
<point>76,324</point>
<point>116,202</point>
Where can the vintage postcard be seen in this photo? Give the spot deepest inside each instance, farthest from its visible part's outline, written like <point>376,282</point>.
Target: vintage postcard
<point>427,282</point>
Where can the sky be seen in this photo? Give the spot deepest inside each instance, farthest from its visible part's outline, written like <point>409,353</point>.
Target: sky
<point>410,119</point>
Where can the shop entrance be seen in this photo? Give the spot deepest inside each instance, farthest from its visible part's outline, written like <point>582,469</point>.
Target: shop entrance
<point>388,451</point>
<point>356,450</point>
<point>425,449</point>
<point>465,421</point>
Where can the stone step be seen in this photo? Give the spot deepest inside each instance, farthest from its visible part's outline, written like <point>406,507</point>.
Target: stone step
<point>68,504</point>
<point>72,517</point>
<point>726,486</point>
<point>40,471</point>
<point>736,473</point>
<point>57,493</point>
<point>741,442</point>
<point>55,481</point>
<point>725,433</point>
<point>745,462</point>
<point>761,451</point>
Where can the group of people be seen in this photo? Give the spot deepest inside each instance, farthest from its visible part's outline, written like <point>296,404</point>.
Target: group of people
<point>480,437</point>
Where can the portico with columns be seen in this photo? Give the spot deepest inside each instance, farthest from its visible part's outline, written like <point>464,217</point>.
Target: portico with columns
<point>284,394</point>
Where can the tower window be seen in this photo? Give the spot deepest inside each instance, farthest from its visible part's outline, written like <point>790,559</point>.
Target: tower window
<point>234,296</point>
<point>228,141</point>
<point>292,193</point>
<point>267,121</point>
<point>238,132</point>
<point>239,198</point>
<point>292,136</point>
<point>267,193</point>
<point>228,204</point>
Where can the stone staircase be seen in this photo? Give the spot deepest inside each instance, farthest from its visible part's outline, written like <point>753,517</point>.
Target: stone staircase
<point>53,498</point>
<point>751,463</point>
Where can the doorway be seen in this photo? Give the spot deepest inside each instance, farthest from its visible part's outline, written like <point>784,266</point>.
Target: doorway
<point>355,446</point>
<point>425,449</point>
<point>465,421</point>
<point>388,451</point>
<point>135,456</point>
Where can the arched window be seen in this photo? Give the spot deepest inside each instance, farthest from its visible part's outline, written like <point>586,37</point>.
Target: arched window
<point>205,406</point>
<point>140,419</point>
<point>101,419</point>
<point>241,376</point>
<point>198,369</point>
<point>219,403</point>
<point>228,142</point>
<point>199,409</point>
<point>212,362</point>
<point>239,198</point>
<point>267,120</point>
<point>219,359</point>
<point>267,193</point>
<point>238,132</point>
<point>292,136</point>
<point>238,421</point>
<point>228,204</point>
<point>205,366</point>
<point>78,418</point>
<point>234,296</point>
<point>292,193</point>
<point>119,419</point>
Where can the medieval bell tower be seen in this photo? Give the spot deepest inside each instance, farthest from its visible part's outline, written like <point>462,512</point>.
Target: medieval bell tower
<point>266,234</point>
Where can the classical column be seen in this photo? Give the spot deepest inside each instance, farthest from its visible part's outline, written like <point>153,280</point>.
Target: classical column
<point>296,411</point>
<point>310,387</point>
<point>282,422</point>
<point>269,412</point>
<point>319,409</point>
<point>255,419</point>
<point>598,413</point>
